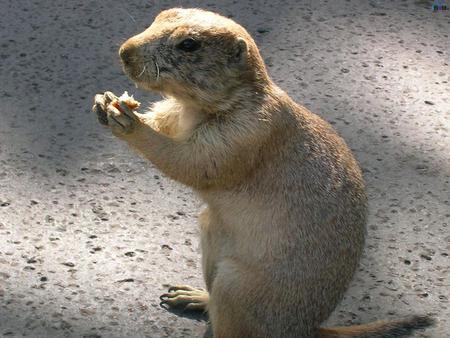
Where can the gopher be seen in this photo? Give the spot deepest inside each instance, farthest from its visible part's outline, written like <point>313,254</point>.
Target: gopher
<point>284,225</point>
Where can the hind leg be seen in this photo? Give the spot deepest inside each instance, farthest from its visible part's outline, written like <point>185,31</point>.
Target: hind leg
<point>229,310</point>
<point>187,297</point>
<point>247,303</point>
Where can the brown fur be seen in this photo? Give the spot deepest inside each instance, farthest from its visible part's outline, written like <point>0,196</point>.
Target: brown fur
<point>286,206</point>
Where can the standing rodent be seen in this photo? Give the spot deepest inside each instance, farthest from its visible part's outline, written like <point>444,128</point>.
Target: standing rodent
<point>284,226</point>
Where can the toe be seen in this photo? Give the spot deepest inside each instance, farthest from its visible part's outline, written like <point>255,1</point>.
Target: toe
<point>176,302</point>
<point>99,99</point>
<point>109,97</point>
<point>101,114</point>
<point>181,287</point>
<point>164,296</point>
<point>120,123</point>
<point>173,294</point>
<point>126,110</point>
<point>195,307</point>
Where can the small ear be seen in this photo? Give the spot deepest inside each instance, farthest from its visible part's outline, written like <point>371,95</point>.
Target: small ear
<point>240,51</point>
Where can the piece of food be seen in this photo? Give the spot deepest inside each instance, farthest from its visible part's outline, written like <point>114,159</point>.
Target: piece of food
<point>128,100</point>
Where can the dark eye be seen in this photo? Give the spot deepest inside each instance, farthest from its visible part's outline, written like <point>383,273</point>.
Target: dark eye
<point>188,45</point>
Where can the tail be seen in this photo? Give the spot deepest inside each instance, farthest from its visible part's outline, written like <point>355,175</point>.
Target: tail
<point>379,329</point>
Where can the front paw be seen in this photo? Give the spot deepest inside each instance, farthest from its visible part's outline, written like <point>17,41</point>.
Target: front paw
<point>101,101</point>
<point>116,113</point>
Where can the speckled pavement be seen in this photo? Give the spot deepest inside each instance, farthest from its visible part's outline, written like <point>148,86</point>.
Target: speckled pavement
<point>91,234</point>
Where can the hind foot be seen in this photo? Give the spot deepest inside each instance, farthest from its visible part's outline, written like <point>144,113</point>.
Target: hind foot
<point>186,298</point>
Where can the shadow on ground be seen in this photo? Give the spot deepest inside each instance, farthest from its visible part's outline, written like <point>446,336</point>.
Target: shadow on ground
<point>80,213</point>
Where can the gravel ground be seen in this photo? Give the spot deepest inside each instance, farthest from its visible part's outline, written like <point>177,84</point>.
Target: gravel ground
<point>91,234</point>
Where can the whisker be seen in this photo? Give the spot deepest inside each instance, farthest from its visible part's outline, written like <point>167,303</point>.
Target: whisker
<point>120,42</point>
<point>143,70</point>
<point>157,70</point>
<point>129,15</point>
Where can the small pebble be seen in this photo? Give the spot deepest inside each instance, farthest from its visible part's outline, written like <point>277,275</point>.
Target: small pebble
<point>263,30</point>
<point>69,264</point>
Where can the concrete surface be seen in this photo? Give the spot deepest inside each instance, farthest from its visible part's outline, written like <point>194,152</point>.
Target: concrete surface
<point>90,234</point>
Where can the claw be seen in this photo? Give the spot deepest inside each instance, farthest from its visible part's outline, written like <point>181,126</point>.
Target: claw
<point>101,114</point>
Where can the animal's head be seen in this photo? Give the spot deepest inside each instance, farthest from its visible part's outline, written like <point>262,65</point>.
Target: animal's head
<point>193,54</point>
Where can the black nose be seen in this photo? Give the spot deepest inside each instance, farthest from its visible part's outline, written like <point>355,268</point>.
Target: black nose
<point>126,53</point>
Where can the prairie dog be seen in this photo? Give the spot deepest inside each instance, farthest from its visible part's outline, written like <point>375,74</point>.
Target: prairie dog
<point>284,226</point>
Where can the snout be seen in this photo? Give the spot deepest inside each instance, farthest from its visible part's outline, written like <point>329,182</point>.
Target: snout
<point>132,58</point>
<point>128,52</point>
<point>136,58</point>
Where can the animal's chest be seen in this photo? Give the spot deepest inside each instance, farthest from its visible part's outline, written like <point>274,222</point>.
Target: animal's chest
<point>175,124</point>
<point>242,227</point>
